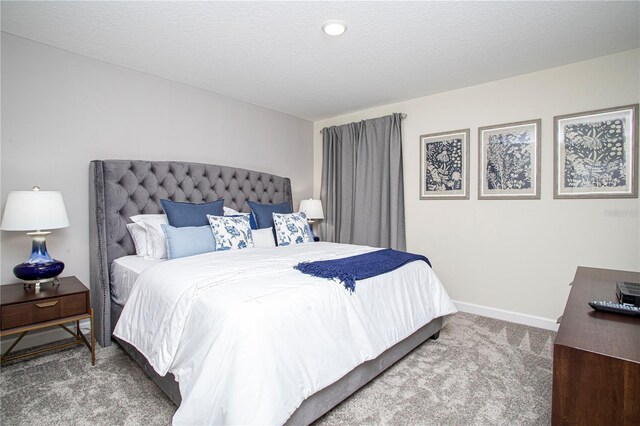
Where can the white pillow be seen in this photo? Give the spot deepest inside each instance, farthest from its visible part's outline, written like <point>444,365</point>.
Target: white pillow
<point>156,242</point>
<point>139,237</point>
<point>292,228</point>
<point>231,232</point>
<point>228,211</point>
<point>263,238</point>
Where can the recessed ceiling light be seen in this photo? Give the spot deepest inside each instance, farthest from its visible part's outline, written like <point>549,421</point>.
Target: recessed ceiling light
<point>334,28</point>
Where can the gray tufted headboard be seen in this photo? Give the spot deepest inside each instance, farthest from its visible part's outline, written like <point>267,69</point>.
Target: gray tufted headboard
<point>120,189</point>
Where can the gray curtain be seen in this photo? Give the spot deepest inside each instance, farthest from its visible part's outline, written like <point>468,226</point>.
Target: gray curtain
<point>362,186</point>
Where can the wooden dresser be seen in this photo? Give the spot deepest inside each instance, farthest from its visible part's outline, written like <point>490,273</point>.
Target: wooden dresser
<point>596,356</point>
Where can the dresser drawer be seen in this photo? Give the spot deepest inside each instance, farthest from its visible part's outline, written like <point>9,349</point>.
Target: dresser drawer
<point>28,313</point>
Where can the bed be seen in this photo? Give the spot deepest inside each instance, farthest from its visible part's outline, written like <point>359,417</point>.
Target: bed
<point>122,188</point>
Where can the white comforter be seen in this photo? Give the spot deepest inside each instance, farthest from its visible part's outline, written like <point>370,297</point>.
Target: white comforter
<point>248,338</point>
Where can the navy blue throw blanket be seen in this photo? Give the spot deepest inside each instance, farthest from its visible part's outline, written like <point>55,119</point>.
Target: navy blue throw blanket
<point>360,267</point>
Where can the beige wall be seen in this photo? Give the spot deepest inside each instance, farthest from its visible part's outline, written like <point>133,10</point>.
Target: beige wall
<point>61,110</point>
<point>515,255</point>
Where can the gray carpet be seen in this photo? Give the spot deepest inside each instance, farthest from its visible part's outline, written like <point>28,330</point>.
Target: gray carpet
<point>480,372</point>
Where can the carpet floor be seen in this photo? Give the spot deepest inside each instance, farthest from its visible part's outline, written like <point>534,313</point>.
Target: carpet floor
<point>480,371</point>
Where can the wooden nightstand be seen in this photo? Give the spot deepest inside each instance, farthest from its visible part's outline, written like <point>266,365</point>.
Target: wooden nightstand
<point>55,304</point>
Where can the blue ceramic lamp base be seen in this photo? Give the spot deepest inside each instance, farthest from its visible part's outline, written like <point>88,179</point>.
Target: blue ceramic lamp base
<point>40,267</point>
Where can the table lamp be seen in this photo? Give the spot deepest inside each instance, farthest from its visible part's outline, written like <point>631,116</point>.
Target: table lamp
<point>36,211</point>
<point>312,209</point>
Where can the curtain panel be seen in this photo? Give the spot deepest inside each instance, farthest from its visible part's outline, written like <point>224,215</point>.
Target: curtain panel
<point>362,184</point>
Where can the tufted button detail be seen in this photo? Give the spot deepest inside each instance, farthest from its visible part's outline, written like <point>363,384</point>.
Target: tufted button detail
<point>140,185</point>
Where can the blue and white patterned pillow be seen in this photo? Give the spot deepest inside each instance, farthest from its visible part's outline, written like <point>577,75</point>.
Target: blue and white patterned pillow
<point>292,228</point>
<point>231,232</point>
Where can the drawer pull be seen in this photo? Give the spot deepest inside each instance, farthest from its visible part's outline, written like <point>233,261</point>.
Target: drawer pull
<point>47,304</point>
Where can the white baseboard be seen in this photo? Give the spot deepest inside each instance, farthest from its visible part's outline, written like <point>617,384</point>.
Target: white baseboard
<point>501,314</point>
<point>40,337</point>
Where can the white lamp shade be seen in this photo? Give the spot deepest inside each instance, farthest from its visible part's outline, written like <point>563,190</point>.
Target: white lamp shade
<point>34,211</point>
<point>312,208</point>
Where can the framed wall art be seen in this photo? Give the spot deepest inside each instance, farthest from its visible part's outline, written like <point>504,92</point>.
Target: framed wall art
<point>595,154</point>
<point>444,165</point>
<point>509,161</point>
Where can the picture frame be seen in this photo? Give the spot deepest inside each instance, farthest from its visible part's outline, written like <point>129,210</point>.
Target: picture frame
<point>444,165</point>
<point>596,154</point>
<point>509,161</point>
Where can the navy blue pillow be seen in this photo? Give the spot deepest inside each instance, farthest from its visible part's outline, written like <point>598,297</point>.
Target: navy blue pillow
<point>262,213</point>
<point>191,214</point>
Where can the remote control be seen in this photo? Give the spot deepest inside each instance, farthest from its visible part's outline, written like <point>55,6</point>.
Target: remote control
<point>616,308</point>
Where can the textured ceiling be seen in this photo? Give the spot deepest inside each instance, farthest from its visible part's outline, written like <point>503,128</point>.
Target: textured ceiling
<point>274,54</point>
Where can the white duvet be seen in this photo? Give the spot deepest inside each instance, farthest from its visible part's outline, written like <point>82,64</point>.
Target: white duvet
<point>248,338</point>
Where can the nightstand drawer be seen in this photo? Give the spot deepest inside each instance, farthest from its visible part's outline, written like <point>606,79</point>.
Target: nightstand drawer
<point>43,310</point>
